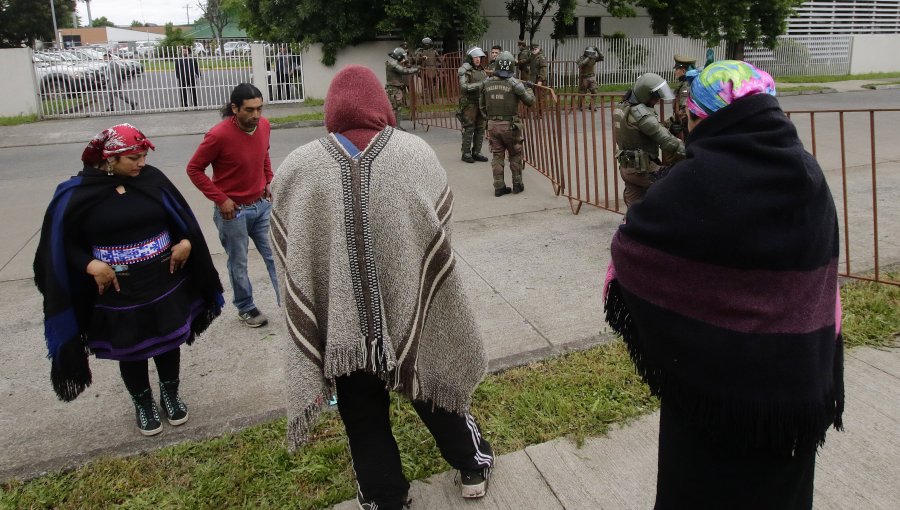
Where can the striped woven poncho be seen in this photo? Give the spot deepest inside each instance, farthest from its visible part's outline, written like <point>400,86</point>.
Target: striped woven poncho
<point>724,283</point>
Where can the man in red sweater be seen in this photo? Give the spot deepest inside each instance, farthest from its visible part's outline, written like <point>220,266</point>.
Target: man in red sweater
<point>238,150</point>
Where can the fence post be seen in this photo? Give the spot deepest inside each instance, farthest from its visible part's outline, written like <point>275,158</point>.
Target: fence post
<point>258,68</point>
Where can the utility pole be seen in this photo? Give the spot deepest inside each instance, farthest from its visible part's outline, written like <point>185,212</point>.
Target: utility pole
<point>87,3</point>
<point>55,29</point>
<point>187,10</point>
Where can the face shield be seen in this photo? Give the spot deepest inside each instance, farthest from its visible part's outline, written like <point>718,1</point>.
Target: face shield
<point>662,91</point>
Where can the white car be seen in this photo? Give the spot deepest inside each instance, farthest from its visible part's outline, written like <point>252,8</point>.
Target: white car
<point>145,49</point>
<point>234,48</point>
<point>58,76</point>
<point>199,49</point>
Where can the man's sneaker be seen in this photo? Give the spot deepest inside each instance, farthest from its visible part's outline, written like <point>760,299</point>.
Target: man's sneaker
<point>468,158</point>
<point>518,188</point>
<point>170,401</point>
<point>474,483</point>
<point>499,192</point>
<point>253,318</point>
<point>365,504</point>
<point>477,156</point>
<point>146,413</point>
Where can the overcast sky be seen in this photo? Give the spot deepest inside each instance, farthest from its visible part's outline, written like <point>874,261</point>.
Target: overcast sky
<point>122,12</point>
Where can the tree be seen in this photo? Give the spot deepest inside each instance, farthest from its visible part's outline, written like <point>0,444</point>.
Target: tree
<point>102,22</point>
<point>530,13</point>
<point>27,21</point>
<point>217,13</point>
<point>136,23</point>
<point>175,38</point>
<point>738,22</point>
<point>336,24</point>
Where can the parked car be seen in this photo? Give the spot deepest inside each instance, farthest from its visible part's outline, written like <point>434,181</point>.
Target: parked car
<point>234,48</point>
<point>58,76</point>
<point>199,49</point>
<point>145,49</point>
<point>128,66</point>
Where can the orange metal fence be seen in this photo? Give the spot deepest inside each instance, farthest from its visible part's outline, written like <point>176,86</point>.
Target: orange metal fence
<point>570,140</point>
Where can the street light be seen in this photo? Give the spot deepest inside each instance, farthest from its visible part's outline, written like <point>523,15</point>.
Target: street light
<point>55,30</point>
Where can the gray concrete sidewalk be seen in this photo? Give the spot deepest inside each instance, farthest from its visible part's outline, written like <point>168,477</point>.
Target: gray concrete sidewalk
<point>857,468</point>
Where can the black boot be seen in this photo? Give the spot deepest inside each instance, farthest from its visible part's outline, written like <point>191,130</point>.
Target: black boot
<point>146,413</point>
<point>170,402</point>
<point>477,156</point>
<point>499,192</point>
<point>518,187</point>
<point>468,158</point>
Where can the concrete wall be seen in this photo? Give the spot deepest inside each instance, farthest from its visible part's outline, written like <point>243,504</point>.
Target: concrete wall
<point>875,54</point>
<point>19,95</point>
<point>317,76</point>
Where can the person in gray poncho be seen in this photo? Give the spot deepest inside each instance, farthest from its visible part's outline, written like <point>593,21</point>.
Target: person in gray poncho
<point>373,302</point>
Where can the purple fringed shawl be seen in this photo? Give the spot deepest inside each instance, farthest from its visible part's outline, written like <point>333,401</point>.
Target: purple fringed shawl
<point>725,281</point>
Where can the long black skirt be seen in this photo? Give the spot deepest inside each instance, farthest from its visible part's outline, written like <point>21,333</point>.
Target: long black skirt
<point>697,473</point>
<point>152,314</point>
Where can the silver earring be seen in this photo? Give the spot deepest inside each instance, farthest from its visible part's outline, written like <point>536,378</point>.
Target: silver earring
<point>109,165</point>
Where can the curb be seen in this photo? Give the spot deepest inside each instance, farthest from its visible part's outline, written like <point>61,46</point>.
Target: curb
<point>297,124</point>
<point>825,90</point>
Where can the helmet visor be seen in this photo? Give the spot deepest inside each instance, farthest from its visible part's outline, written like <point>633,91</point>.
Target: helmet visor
<point>662,91</point>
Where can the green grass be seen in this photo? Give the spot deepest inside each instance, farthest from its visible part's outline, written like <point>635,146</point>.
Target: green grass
<point>313,101</point>
<point>18,119</point>
<point>801,88</point>
<point>300,116</point>
<point>577,396</point>
<point>871,312</point>
<point>839,77</point>
<point>206,64</point>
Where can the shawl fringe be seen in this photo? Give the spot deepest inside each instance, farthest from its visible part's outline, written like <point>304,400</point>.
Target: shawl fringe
<point>796,427</point>
<point>300,426</point>
<point>358,357</point>
<point>70,372</point>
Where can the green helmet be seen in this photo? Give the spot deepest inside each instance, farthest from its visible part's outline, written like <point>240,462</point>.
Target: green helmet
<point>651,86</point>
<point>505,63</point>
<point>397,54</point>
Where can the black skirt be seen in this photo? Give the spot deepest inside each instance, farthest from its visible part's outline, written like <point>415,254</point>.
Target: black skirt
<point>152,313</point>
<point>698,473</point>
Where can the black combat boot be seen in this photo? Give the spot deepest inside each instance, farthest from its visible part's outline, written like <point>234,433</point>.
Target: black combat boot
<point>477,156</point>
<point>518,187</point>
<point>468,158</point>
<point>499,192</point>
<point>170,401</point>
<point>146,413</point>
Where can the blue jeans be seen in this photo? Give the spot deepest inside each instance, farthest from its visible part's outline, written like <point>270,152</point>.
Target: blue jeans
<point>251,222</point>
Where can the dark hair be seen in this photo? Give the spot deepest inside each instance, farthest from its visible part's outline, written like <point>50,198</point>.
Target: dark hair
<point>240,94</point>
<point>497,47</point>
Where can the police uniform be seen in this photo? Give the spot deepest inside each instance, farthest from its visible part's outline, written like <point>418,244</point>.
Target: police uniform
<point>429,59</point>
<point>677,122</point>
<point>471,79</point>
<point>639,138</point>
<point>538,66</point>
<point>395,85</point>
<point>500,97</point>
<point>587,81</point>
<point>523,62</point>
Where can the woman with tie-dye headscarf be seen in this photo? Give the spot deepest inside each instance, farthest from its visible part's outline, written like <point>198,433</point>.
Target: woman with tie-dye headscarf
<point>723,285</point>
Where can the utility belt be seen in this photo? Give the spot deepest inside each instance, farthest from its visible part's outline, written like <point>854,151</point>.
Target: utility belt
<point>398,84</point>
<point>636,158</point>
<point>504,118</point>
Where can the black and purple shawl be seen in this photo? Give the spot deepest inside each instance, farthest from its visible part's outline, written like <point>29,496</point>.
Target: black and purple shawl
<point>725,288</point>
<point>70,294</point>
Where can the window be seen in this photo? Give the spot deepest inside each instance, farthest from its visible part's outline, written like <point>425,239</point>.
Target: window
<point>592,26</point>
<point>572,28</point>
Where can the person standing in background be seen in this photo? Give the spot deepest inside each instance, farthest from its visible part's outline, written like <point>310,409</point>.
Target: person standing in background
<point>187,71</point>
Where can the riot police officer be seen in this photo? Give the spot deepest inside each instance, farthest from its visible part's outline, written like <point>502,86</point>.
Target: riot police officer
<point>471,78</point>
<point>429,59</point>
<point>677,122</point>
<point>587,81</point>
<point>500,97</point>
<point>640,136</point>
<point>523,62</point>
<point>395,85</point>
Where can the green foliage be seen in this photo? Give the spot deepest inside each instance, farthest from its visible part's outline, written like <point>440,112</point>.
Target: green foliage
<point>136,23</point>
<point>175,37</point>
<point>529,14</point>
<point>102,22</point>
<point>336,24</point>
<point>749,21</point>
<point>837,77</point>
<point>27,21</point>
<point>18,119</point>
<point>871,312</point>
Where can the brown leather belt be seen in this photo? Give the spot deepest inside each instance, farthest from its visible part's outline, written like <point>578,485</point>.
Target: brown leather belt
<point>258,200</point>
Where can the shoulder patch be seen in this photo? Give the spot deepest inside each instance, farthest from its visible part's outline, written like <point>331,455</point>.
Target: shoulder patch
<point>639,111</point>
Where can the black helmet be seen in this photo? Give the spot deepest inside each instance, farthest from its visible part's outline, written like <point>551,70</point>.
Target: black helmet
<point>398,54</point>
<point>505,64</point>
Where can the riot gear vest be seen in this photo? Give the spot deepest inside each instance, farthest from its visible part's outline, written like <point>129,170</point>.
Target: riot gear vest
<point>499,98</point>
<point>394,73</point>
<point>586,67</point>
<point>469,75</point>
<point>431,61</point>
<point>628,136</point>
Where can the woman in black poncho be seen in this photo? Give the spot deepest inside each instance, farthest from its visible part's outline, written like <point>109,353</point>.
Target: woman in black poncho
<point>125,274</point>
